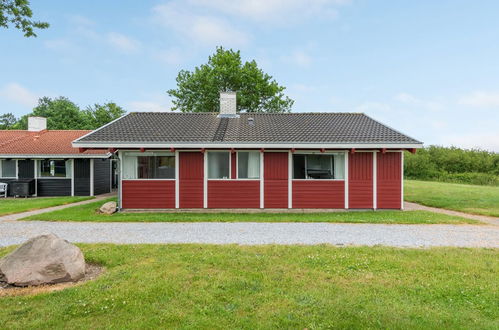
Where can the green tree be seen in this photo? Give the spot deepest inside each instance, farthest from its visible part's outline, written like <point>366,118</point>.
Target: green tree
<point>61,113</point>
<point>7,121</point>
<point>198,91</point>
<point>19,13</point>
<point>98,115</point>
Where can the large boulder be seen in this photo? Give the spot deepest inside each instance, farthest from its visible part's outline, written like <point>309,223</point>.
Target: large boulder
<point>45,259</point>
<point>108,208</point>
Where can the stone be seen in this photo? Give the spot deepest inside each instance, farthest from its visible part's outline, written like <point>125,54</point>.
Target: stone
<point>45,259</point>
<point>108,208</point>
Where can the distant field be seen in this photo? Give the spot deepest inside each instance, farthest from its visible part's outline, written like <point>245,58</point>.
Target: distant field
<point>18,205</point>
<point>459,197</point>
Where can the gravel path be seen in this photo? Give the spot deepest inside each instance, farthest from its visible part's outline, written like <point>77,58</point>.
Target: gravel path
<point>15,232</point>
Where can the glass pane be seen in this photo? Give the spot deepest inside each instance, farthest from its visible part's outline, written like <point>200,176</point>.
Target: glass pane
<point>319,167</point>
<point>156,167</point>
<point>8,168</point>
<point>218,165</point>
<point>339,166</point>
<point>248,165</point>
<point>299,166</point>
<point>129,167</point>
<point>52,168</point>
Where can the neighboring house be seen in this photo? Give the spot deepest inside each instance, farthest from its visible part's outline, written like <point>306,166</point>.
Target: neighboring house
<point>255,160</point>
<point>48,160</point>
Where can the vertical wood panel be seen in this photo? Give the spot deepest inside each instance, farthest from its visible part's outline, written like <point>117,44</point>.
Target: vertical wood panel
<point>191,175</point>
<point>275,179</point>
<point>389,180</point>
<point>360,185</point>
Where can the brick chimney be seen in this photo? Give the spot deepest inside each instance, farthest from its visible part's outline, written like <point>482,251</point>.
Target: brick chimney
<point>37,124</point>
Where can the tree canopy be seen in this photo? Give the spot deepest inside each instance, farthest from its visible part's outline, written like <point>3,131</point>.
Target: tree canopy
<point>198,91</point>
<point>19,14</point>
<point>61,113</point>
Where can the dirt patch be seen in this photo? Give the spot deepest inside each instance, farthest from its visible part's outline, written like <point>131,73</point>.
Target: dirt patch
<point>92,271</point>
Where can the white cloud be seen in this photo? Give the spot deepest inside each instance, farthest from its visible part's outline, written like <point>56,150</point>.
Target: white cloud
<point>59,45</point>
<point>172,56</point>
<point>481,99</point>
<point>406,98</point>
<point>298,57</point>
<point>487,141</point>
<point>209,30</point>
<point>275,11</point>
<point>16,93</point>
<point>410,99</point>
<point>370,107</point>
<point>122,42</point>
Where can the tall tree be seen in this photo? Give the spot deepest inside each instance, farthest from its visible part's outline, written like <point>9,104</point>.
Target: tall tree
<point>19,13</point>
<point>7,121</point>
<point>198,91</point>
<point>98,115</point>
<point>61,113</point>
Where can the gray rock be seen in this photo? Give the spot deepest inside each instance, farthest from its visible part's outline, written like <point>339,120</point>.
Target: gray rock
<point>108,208</point>
<point>45,259</point>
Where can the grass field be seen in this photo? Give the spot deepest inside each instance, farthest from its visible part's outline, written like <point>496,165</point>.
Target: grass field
<point>88,213</point>
<point>298,287</point>
<point>459,197</point>
<point>17,205</point>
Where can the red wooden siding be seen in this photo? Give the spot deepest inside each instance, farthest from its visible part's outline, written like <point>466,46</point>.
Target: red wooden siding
<point>148,194</point>
<point>360,182</point>
<point>233,157</point>
<point>318,194</point>
<point>388,180</point>
<point>275,176</point>
<point>191,169</point>
<point>233,193</point>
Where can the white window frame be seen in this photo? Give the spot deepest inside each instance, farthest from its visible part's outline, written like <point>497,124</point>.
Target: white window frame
<point>332,153</point>
<point>208,165</point>
<point>1,169</point>
<point>259,164</point>
<point>39,164</point>
<point>125,153</point>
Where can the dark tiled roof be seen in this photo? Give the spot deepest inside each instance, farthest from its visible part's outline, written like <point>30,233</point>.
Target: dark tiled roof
<point>268,128</point>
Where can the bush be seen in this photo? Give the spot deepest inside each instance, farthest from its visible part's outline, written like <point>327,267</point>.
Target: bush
<point>453,165</point>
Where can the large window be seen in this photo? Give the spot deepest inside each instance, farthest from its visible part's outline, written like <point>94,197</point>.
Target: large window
<point>218,165</point>
<point>151,165</point>
<point>318,166</point>
<point>54,168</point>
<point>7,168</point>
<point>248,164</point>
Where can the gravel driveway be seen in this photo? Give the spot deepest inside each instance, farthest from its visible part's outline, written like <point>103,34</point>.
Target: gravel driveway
<point>15,232</point>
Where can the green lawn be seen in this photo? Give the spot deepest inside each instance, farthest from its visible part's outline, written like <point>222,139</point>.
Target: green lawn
<point>459,197</point>
<point>268,287</point>
<point>17,205</point>
<point>88,212</point>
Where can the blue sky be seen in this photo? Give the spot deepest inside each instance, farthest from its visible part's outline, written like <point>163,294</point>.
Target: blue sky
<point>427,68</point>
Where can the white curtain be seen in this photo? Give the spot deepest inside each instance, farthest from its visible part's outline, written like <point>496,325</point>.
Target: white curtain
<point>218,165</point>
<point>130,167</point>
<point>339,166</point>
<point>254,165</point>
<point>68,164</point>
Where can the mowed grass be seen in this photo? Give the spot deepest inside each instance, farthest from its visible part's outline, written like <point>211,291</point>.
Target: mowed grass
<point>269,287</point>
<point>459,197</point>
<point>89,212</point>
<point>17,205</point>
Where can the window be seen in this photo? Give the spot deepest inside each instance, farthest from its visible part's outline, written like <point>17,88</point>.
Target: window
<point>54,168</point>
<point>248,165</point>
<point>318,166</point>
<point>218,165</point>
<point>8,168</point>
<point>148,165</point>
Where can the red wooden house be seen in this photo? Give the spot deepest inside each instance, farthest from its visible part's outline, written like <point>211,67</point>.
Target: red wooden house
<point>255,160</point>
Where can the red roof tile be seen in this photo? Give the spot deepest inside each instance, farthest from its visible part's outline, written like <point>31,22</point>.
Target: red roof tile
<point>47,142</point>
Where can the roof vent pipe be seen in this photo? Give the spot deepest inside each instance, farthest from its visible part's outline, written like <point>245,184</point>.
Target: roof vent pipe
<point>251,121</point>
<point>228,105</point>
<point>37,124</point>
